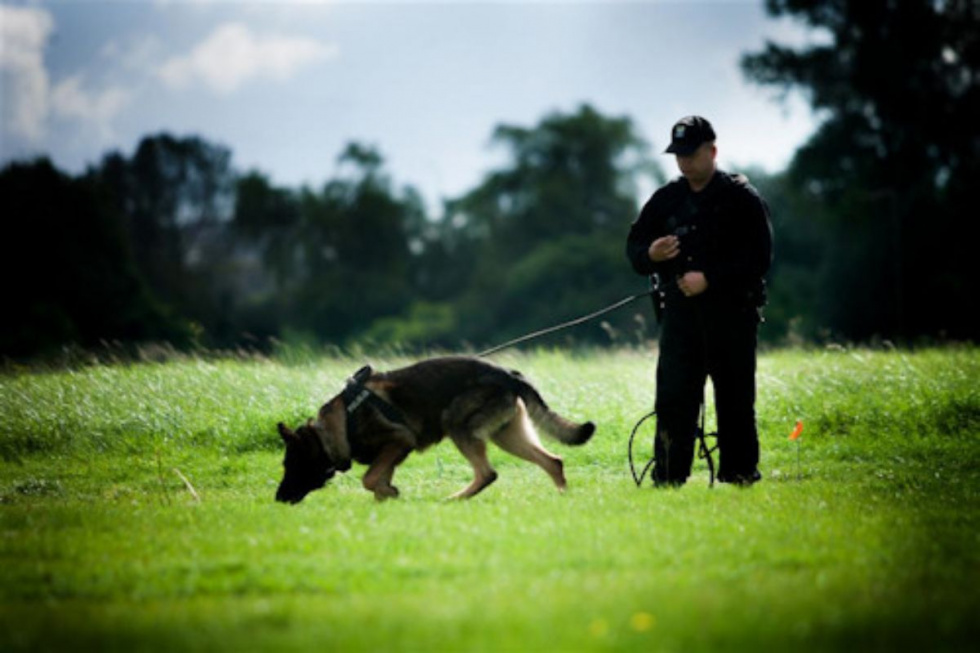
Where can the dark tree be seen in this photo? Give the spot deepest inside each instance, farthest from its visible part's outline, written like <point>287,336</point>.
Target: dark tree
<point>176,196</point>
<point>541,238</point>
<point>891,166</point>
<point>67,268</point>
<point>341,258</point>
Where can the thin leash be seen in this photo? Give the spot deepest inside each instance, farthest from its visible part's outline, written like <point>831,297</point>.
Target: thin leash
<point>638,478</point>
<point>566,325</point>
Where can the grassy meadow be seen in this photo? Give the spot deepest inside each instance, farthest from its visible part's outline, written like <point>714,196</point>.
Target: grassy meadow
<point>137,514</point>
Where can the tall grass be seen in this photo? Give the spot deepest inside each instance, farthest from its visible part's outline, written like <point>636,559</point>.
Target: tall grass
<point>862,536</point>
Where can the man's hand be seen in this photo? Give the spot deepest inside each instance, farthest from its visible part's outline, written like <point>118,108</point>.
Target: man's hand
<point>664,249</point>
<point>692,284</point>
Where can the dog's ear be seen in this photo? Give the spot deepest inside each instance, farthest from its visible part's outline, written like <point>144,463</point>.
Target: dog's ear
<point>287,435</point>
<point>363,374</point>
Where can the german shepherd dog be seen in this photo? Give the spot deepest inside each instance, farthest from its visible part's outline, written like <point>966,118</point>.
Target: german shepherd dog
<point>381,417</point>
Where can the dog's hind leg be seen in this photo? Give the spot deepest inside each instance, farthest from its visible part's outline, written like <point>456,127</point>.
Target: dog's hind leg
<point>519,438</point>
<point>475,451</point>
<point>471,419</point>
<point>378,477</point>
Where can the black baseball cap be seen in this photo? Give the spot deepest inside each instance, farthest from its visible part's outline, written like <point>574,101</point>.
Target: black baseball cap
<point>688,135</point>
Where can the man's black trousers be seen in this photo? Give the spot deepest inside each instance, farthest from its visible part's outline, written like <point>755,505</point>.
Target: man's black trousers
<point>702,337</point>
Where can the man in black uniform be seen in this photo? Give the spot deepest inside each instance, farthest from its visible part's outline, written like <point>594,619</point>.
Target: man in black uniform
<point>707,238</point>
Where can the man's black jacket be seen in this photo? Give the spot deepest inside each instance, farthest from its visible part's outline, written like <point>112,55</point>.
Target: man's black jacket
<point>724,230</point>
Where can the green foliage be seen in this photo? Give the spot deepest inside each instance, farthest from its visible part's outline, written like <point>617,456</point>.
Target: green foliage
<point>175,195</point>
<point>544,234</point>
<point>426,324</point>
<point>863,537</point>
<point>69,272</point>
<point>893,163</point>
<point>339,259</point>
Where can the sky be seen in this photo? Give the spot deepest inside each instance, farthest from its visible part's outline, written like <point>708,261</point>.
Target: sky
<point>286,85</point>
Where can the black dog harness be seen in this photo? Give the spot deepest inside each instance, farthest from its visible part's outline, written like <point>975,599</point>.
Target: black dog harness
<point>356,395</point>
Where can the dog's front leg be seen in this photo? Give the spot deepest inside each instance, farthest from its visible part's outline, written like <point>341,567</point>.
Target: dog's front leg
<point>378,477</point>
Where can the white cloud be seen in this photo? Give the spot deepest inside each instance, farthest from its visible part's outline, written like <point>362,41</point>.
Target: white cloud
<point>24,34</point>
<point>69,99</point>
<point>137,53</point>
<point>232,55</point>
<point>30,100</point>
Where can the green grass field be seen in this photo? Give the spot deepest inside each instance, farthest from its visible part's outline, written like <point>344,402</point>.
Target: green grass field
<point>137,513</point>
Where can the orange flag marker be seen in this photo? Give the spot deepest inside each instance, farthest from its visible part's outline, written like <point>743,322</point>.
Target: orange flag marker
<point>797,431</point>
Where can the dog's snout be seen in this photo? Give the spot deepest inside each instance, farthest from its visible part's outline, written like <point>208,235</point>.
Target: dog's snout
<point>291,500</point>
<point>289,495</point>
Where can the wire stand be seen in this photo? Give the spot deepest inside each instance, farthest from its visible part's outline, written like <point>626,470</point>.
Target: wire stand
<point>704,451</point>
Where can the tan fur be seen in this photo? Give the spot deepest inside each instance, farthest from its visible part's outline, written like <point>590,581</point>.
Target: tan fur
<point>328,426</point>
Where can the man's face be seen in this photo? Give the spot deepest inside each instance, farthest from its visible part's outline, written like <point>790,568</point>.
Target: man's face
<point>698,166</point>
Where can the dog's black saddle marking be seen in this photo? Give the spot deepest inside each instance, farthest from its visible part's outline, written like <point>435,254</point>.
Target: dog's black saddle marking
<point>356,394</point>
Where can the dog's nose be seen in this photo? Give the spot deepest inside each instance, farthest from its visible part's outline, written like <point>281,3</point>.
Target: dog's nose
<point>282,497</point>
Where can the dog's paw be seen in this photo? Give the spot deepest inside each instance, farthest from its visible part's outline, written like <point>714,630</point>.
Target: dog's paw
<point>384,492</point>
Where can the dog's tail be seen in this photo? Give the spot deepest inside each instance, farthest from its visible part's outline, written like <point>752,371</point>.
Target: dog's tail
<point>550,422</point>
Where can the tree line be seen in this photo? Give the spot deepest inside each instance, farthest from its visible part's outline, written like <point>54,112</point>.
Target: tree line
<point>172,243</point>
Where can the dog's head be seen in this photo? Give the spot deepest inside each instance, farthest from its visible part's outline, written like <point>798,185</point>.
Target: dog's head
<point>314,453</point>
